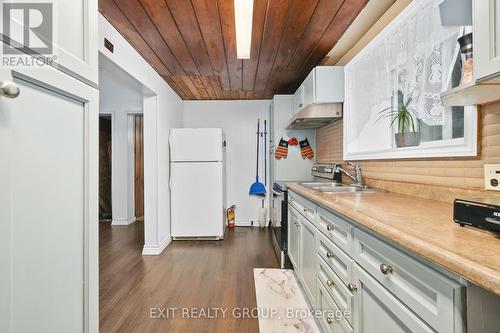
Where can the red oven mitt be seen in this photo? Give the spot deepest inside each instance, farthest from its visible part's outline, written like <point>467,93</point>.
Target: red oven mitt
<point>293,142</point>
<point>281,150</point>
<point>306,150</point>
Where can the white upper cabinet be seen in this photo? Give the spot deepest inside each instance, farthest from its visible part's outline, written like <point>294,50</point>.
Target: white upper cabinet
<point>298,99</point>
<point>64,33</point>
<point>77,38</point>
<point>325,84</point>
<point>487,39</point>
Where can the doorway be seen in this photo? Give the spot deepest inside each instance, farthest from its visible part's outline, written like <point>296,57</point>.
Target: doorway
<point>105,167</point>
<point>139,166</point>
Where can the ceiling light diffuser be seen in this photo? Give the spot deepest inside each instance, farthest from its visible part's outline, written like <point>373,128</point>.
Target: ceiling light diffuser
<point>243,16</point>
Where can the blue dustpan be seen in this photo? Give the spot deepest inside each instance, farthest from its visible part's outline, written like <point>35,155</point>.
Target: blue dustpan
<point>257,188</point>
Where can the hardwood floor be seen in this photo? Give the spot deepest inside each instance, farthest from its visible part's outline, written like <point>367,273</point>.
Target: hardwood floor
<point>187,275</point>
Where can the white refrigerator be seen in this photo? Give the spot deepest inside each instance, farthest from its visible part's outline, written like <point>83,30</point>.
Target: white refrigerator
<point>197,183</point>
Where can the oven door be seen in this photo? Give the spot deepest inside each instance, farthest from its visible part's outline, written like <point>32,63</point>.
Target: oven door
<point>279,227</point>
<point>278,202</point>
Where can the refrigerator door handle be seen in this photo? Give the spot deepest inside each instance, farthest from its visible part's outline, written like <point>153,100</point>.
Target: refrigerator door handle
<point>170,178</point>
<point>170,165</point>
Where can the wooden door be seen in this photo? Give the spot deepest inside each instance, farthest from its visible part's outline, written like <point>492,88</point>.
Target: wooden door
<point>48,204</point>
<point>105,151</point>
<point>139,166</point>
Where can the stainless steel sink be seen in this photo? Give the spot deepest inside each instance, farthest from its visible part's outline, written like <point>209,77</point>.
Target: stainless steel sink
<point>343,189</point>
<point>322,184</point>
<point>333,188</point>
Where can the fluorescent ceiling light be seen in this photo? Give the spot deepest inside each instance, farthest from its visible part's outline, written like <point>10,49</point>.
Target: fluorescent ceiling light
<point>243,16</point>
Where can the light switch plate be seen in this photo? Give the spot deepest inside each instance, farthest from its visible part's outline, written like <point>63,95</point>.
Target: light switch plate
<point>492,177</point>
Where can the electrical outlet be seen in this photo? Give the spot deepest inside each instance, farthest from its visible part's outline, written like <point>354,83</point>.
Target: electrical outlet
<point>492,177</point>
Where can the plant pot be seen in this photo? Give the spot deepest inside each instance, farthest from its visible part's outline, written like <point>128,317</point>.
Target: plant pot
<point>408,139</point>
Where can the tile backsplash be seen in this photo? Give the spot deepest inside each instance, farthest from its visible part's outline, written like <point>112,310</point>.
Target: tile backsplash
<point>441,179</point>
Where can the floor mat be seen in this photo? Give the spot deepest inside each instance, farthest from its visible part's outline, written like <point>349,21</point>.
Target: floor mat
<point>281,303</point>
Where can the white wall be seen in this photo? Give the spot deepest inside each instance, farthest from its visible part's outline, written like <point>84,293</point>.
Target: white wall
<point>162,111</point>
<point>239,121</point>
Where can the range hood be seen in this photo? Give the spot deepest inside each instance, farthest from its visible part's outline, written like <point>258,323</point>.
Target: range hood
<point>315,116</point>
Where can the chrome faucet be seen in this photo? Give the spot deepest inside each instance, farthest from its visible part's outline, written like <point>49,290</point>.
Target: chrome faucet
<point>357,178</point>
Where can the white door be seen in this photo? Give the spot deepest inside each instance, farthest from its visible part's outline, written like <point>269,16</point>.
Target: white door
<point>196,144</point>
<point>197,199</point>
<point>48,204</point>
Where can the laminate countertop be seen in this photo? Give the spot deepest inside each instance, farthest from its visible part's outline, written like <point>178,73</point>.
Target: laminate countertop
<point>421,226</point>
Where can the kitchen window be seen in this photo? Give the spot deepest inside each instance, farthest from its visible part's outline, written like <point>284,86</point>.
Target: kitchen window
<point>414,56</point>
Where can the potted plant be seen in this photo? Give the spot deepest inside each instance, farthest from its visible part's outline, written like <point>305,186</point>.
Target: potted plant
<point>407,121</point>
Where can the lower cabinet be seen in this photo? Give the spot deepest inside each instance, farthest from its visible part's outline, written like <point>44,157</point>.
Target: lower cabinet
<point>363,284</point>
<point>307,258</point>
<point>377,310</point>
<point>293,237</point>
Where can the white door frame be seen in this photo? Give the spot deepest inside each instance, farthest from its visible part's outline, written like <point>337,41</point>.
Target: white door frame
<point>152,245</point>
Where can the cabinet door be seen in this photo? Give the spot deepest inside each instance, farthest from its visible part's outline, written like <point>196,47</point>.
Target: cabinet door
<point>307,258</point>
<point>48,204</point>
<point>63,32</point>
<point>298,99</point>
<point>309,88</point>
<point>486,39</point>
<point>293,238</point>
<point>377,310</point>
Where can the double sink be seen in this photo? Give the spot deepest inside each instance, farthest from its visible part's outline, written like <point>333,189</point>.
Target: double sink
<point>333,187</point>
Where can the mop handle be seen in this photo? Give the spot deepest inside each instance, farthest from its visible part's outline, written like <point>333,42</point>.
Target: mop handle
<point>257,168</point>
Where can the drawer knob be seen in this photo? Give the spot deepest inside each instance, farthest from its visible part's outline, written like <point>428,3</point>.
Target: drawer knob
<point>352,287</point>
<point>330,227</point>
<point>305,209</point>
<point>329,283</point>
<point>386,269</point>
<point>329,320</point>
<point>329,255</point>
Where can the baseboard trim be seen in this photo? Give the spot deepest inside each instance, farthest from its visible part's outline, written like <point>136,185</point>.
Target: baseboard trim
<point>124,221</point>
<point>154,250</point>
<point>246,223</point>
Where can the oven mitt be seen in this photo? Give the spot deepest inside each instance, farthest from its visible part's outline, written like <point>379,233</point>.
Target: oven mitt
<point>293,142</point>
<point>281,150</point>
<point>306,150</point>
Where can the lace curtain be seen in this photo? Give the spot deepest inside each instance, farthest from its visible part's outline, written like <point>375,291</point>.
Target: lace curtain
<point>415,56</point>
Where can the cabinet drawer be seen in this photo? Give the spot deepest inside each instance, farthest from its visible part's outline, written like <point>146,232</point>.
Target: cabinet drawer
<point>338,261</point>
<point>430,294</point>
<point>332,319</point>
<point>335,287</point>
<point>303,206</point>
<point>337,230</point>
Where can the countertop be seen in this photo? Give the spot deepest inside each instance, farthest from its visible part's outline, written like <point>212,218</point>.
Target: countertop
<point>421,226</point>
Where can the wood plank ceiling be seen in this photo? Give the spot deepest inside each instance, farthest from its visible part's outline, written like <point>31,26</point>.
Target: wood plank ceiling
<point>192,43</point>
